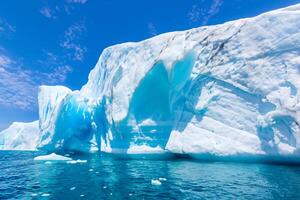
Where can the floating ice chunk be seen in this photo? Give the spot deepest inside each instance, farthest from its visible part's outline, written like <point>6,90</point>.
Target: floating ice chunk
<point>48,162</point>
<point>72,188</point>
<point>162,179</point>
<point>155,182</point>
<point>82,195</point>
<point>52,156</point>
<point>76,161</point>
<point>71,161</point>
<point>90,170</point>
<point>81,161</point>
<point>45,195</point>
<point>138,149</point>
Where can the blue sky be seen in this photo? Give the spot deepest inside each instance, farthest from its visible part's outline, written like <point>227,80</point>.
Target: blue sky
<point>59,42</point>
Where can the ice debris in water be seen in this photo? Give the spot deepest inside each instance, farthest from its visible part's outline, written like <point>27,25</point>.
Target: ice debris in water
<point>162,179</point>
<point>76,161</point>
<point>72,188</point>
<point>45,195</point>
<point>52,156</point>
<point>155,182</point>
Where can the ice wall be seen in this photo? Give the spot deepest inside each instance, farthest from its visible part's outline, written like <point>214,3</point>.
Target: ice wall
<point>65,120</point>
<point>224,90</point>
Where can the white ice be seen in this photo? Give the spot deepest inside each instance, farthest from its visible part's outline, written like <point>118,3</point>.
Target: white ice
<point>52,156</point>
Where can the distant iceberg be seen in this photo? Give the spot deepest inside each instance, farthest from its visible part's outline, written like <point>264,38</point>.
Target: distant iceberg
<point>224,90</point>
<point>20,136</point>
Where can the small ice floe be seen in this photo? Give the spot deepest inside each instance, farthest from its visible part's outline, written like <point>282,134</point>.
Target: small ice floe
<point>34,194</point>
<point>97,172</point>
<point>82,195</point>
<point>72,188</point>
<point>130,194</point>
<point>48,162</point>
<point>104,187</point>
<point>155,182</point>
<point>76,161</point>
<point>45,195</point>
<point>81,161</point>
<point>71,161</point>
<point>162,179</point>
<point>52,156</point>
<point>90,170</point>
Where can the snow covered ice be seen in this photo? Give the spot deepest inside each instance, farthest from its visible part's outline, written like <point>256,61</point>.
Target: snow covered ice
<point>53,156</point>
<point>223,90</point>
<point>155,182</point>
<point>20,136</point>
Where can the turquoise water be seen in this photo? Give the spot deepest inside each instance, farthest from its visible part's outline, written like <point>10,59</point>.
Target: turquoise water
<point>107,177</point>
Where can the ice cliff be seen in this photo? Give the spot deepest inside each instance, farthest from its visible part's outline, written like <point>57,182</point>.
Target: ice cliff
<point>223,90</point>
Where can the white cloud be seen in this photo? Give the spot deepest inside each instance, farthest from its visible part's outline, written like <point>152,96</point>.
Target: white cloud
<point>194,14</point>
<point>19,86</point>
<point>214,9</point>
<point>6,27</point>
<point>197,14</point>
<point>77,1</point>
<point>152,29</point>
<point>49,12</point>
<point>70,43</point>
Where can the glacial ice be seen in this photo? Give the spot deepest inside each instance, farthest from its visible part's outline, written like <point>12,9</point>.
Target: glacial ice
<point>155,182</point>
<point>223,90</point>
<point>53,156</point>
<point>20,136</point>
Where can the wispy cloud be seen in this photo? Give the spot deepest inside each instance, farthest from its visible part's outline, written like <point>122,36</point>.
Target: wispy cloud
<point>6,27</point>
<point>52,11</point>
<point>77,1</point>
<point>152,29</point>
<point>49,12</point>
<point>194,14</point>
<point>202,14</point>
<point>19,86</point>
<point>214,9</point>
<point>71,43</point>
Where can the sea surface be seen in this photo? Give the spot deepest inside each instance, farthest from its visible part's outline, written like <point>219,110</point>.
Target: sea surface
<point>108,177</point>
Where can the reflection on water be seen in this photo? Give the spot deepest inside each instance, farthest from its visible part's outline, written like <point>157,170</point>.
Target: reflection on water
<point>105,177</point>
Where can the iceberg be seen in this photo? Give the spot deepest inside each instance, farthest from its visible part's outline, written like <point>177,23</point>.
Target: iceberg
<point>224,90</point>
<point>228,90</point>
<point>20,136</point>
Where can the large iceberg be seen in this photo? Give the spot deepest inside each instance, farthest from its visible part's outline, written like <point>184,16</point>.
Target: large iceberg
<point>223,90</point>
<point>20,136</point>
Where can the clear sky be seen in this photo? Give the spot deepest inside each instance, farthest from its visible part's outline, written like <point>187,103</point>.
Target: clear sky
<point>58,42</point>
